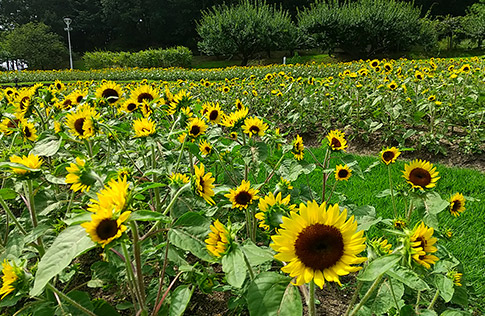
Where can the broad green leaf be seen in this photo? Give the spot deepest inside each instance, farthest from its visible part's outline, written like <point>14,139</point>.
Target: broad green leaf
<point>180,298</point>
<point>383,193</point>
<point>102,308</point>
<point>256,255</point>
<point>186,240</point>
<point>407,310</point>
<point>70,243</point>
<point>146,216</point>
<point>51,207</point>
<point>384,300</point>
<point>16,165</point>
<point>434,204</point>
<point>455,313</point>
<point>408,277</point>
<point>445,285</point>
<point>82,298</point>
<point>14,248</point>
<point>8,194</point>
<point>291,304</point>
<point>47,147</point>
<point>54,180</point>
<point>265,294</point>
<point>427,312</point>
<point>378,267</point>
<point>460,296</point>
<point>234,267</point>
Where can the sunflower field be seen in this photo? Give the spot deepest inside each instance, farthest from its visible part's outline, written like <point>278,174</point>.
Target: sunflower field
<point>163,192</point>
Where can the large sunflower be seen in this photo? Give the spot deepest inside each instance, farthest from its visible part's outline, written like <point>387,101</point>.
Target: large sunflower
<point>422,245</point>
<point>342,173</point>
<point>81,122</point>
<point>145,93</point>
<point>219,239</point>
<point>113,196</point>
<point>79,176</point>
<point>9,278</point>
<point>235,119</point>
<point>420,174</point>
<point>319,244</point>
<point>254,126</point>
<point>205,148</point>
<point>298,148</point>
<point>336,140</point>
<point>109,91</point>
<point>144,127</point>
<point>203,184</point>
<point>243,195</point>
<point>214,113</point>
<point>31,161</point>
<point>272,210</point>
<point>389,155</point>
<point>457,204</point>
<point>105,226</point>
<point>196,127</point>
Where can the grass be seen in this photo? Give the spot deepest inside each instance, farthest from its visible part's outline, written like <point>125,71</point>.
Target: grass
<point>468,240</point>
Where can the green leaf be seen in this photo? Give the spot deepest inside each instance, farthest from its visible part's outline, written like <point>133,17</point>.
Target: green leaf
<point>378,267</point>
<point>14,248</point>
<point>8,194</point>
<point>384,300</point>
<point>146,216</point>
<point>180,298</point>
<point>82,298</point>
<point>408,277</point>
<point>427,312</point>
<point>70,243</point>
<point>383,193</point>
<point>455,313</point>
<point>102,308</point>
<point>47,147</point>
<point>445,285</point>
<point>256,255</point>
<point>189,242</point>
<point>291,304</point>
<point>51,207</point>
<point>16,165</point>
<point>266,293</point>
<point>54,180</point>
<point>234,267</point>
<point>460,296</point>
<point>407,310</point>
<point>434,204</point>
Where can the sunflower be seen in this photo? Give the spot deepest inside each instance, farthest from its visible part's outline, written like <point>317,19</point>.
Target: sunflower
<point>10,276</point>
<point>28,130</point>
<point>180,100</point>
<point>457,204</point>
<point>144,127</point>
<point>465,68</point>
<point>179,179</point>
<point>243,195</point>
<point>298,147</point>
<point>284,185</point>
<point>106,225</point>
<point>381,246</point>
<point>399,223</point>
<point>272,210</point>
<point>113,196</point>
<point>81,122</point>
<point>318,244</point>
<point>124,172</point>
<point>196,127</point>
<point>374,63</point>
<point>77,96</point>
<point>234,119</point>
<point>420,174</point>
<point>419,75</point>
<point>239,104</point>
<point>233,135</point>
<point>219,239</point>
<point>422,242</point>
<point>342,173</point>
<point>214,113</point>
<point>254,126</point>
<point>31,161</point>
<point>387,67</point>
<point>79,176</point>
<point>205,148</point>
<point>456,277</point>
<point>336,140</point>
<point>389,155</point>
<point>392,85</point>
<point>59,86</point>
<point>203,184</point>
<point>144,93</point>
<point>129,105</point>
<point>22,101</point>
<point>109,91</point>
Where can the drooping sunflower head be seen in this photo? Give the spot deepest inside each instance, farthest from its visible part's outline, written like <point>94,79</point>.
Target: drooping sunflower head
<point>205,148</point>
<point>31,161</point>
<point>399,223</point>
<point>342,172</point>
<point>422,245</point>
<point>298,147</point>
<point>457,204</point>
<point>144,127</point>
<point>22,102</point>
<point>178,179</point>
<point>11,275</point>
<point>106,226</point>
<point>110,92</point>
<point>235,119</point>
<point>219,239</point>
<point>389,155</point>
<point>421,174</point>
<point>319,244</point>
<point>113,197</point>
<point>381,246</point>
<point>254,126</point>
<point>180,100</point>
<point>28,130</point>
<point>214,113</point>
<point>455,276</point>
<point>204,184</point>
<point>80,176</point>
<point>284,185</point>
<point>336,140</point>
<point>196,127</point>
<point>242,196</point>
<point>82,122</point>
<point>272,210</point>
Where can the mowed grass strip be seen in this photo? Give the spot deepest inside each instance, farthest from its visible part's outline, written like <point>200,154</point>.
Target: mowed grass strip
<point>468,240</point>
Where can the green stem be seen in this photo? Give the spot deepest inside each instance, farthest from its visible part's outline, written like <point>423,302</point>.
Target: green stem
<point>176,168</point>
<point>410,211</point>
<point>367,295</point>
<point>435,298</point>
<point>89,147</point>
<point>272,173</point>
<point>157,189</point>
<point>12,216</point>
<point>331,192</point>
<point>392,191</point>
<point>324,181</point>
<point>393,294</point>
<point>33,214</point>
<point>70,300</point>
<point>416,307</point>
<point>312,311</point>
<point>248,265</point>
<point>354,297</point>
<point>137,254</point>
<point>315,158</point>
<point>131,274</point>
<point>70,202</point>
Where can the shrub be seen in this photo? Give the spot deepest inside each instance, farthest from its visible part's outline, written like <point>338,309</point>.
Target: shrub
<point>473,23</point>
<point>171,57</point>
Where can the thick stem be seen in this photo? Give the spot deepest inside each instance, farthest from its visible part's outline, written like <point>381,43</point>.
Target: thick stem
<point>33,214</point>
<point>367,295</point>
<point>393,295</point>
<point>331,192</point>
<point>248,265</point>
<point>12,216</point>
<point>70,300</point>
<point>160,283</point>
<point>392,191</point>
<point>324,181</point>
<point>157,189</point>
<point>131,275</point>
<point>435,298</point>
<point>137,254</point>
<point>312,311</point>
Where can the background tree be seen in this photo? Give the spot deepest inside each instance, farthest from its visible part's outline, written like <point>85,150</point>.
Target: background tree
<point>35,44</point>
<point>473,24</point>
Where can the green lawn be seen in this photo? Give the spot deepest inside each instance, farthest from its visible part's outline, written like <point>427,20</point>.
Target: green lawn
<point>468,241</point>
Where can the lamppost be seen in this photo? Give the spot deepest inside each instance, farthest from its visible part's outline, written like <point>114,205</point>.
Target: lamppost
<point>68,21</point>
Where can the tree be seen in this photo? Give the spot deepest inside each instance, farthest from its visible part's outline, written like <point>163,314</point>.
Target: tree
<point>473,23</point>
<point>37,46</point>
<point>245,29</point>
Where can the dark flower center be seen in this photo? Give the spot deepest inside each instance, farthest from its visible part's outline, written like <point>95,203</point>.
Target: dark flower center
<point>214,114</point>
<point>145,130</point>
<point>254,129</point>
<point>456,206</point>
<point>131,107</point>
<point>27,132</point>
<point>319,246</point>
<point>420,177</point>
<point>106,229</point>
<point>111,95</point>
<point>201,182</point>
<point>343,173</point>
<point>335,143</point>
<point>145,96</point>
<point>78,125</point>
<point>67,103</point>
<point>79,99</point>
<point>59,86</point>
<point>207,149</point>
<point>24,103</point>
<point>243,198</point>
<point>388,156</point>
<point>195,130</point>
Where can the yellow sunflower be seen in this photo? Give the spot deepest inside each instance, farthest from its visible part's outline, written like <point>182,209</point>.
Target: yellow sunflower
<point>457,204</point>
<point>10,276</point>
<point>79,176</point>
<point>336,140</point>
<point>22,101</point>
<point>243,195</point>
<point>234,119</point>
<point>381,246</point>
<point>342,173</point>
<point>179,179</point>
<point>272,210</point>
<point>59,86</point>
<point>28,130</point>
<point>389,155</point>
<point>219,239</point>
<point>106,225</point>
<point>254,126</point>
<point>196,127</point>
<point>420,174</point>
<point>113,196</point>
<point>214,113</point>
<point>298,147</point>
<point>81,122</point>
<point>130,105</point>
<point>145,93</point>
<point>456,277</point>
<point>109,91</point>
<point>144,127</point>
<point>374,63</point>
<point>392,85</point>
<point>399,223</point>
<point>205,148</point>
<point>203,184</point>
<point>31,161</point>
<point>422,242</point>
<point>319,244</point>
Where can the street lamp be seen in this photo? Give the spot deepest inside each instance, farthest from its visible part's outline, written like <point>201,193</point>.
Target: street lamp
<point>68,21</point>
